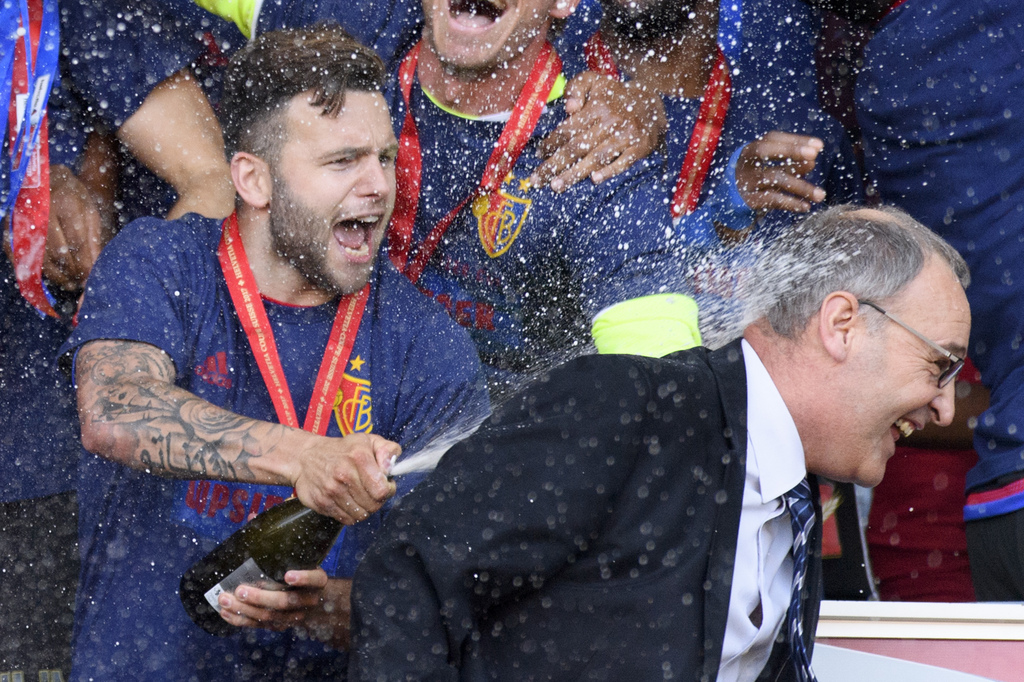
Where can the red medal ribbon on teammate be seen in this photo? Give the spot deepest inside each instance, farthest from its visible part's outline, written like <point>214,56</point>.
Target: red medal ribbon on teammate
<point>253,315</point>
<point>707,131</point>
<point>30,217</point>
<point>409,168</point>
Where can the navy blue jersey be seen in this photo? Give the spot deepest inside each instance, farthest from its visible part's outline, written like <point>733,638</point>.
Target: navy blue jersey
<point>939,101</point>
<point>528,296</point>
<point>39,442</point>
<point>116,52</point>
<point>411,375</point>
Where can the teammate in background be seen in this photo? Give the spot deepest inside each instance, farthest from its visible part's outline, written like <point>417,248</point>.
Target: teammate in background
<point>612,124</point>
<point>176,403</point>
<point>129,65</point>
<point>744,126</point>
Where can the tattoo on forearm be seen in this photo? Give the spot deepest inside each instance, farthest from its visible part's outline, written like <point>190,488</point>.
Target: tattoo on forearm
<point>126,390</point>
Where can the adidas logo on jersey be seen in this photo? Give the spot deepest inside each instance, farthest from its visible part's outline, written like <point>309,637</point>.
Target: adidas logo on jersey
<point>215,370</point>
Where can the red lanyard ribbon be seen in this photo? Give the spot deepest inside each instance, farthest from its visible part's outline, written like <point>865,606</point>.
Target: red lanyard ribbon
<point>253,316</point>
<point>30,216</point>
<point>707,131</point>
<point>409,169</point>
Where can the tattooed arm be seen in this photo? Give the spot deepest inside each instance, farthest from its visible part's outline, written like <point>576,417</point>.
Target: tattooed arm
<point>133,413</point>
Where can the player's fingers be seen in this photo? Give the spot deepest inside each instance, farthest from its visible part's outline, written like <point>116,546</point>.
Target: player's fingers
<point>245,612</point>
<point>57,260</point>
<point>597,161</point>
<point>385,451</point>
<point>581,126</point>
<point>780,180</point>
<point>773,200</point>
<point>619,165</point>
<point>769,150</point>
<point>314,580</point>
<point>778,144</point>
<point>573,161</point>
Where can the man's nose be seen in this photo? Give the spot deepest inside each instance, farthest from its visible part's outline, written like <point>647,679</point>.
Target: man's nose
<point>374,180</point>
<point>943,405</point>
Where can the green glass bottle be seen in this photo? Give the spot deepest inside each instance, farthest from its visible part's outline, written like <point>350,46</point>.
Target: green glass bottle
<point>288,536</point>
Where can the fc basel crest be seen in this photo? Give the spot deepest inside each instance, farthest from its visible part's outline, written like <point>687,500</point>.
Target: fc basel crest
<point>499,217</point>
<point>352,406</point>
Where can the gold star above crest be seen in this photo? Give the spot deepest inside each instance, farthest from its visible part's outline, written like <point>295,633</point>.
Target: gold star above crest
<point>356,364</point>
<point>508,179</point>
<point>524,185</point>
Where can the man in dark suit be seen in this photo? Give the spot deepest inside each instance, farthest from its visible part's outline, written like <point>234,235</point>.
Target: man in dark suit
<point>633,519</point>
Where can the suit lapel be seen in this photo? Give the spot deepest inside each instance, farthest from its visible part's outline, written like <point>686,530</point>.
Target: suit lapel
<point>729,369</point>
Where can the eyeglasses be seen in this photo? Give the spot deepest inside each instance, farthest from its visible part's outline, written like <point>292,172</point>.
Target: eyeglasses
<point>955,364</point>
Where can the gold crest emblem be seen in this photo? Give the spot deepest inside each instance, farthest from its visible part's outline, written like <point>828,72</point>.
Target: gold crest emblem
<point>499,222</point>
<point>352,406</point>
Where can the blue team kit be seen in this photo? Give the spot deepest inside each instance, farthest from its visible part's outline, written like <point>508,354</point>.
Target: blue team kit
<point>412,374</point>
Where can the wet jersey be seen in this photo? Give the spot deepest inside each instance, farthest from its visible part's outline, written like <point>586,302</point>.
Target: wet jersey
<point>411,375</point>
<point>528,282</point>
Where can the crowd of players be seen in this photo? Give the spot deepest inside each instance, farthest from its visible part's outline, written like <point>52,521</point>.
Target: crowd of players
<point>656,134</point>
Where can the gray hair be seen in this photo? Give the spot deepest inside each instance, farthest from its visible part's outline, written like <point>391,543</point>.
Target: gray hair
<point>871,253</point>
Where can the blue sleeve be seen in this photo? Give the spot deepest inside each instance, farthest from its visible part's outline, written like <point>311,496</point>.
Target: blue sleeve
<point>621,238</point>
<point>442,393</point>
<point>119,51</point>
<point>140,289</point>
<point>390,27</point>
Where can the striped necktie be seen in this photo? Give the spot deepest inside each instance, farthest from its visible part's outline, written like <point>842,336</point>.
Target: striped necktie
<point>801,514</point>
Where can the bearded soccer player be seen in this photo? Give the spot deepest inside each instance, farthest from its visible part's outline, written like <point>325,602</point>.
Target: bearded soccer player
<point>197,354</point>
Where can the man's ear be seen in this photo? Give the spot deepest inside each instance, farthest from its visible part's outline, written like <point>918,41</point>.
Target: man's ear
<point>251,176</point>
<point>837,323</point>
<point>563,8</point>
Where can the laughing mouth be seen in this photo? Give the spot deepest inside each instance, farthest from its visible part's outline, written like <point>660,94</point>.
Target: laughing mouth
<point>491,9</point>
<point>905,427</point>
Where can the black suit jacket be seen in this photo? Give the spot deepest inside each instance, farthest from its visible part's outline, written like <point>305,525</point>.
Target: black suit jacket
<point>587,531</point>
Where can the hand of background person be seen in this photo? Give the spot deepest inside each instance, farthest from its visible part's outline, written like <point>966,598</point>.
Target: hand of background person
<point>610,125</point>
<point>80,226</point>
<point>770,170</point>
<point>345,478</point>
<point>319,605</point>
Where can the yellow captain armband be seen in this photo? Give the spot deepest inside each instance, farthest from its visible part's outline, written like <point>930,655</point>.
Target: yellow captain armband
<point>241,12</point>
<point>650,325</point>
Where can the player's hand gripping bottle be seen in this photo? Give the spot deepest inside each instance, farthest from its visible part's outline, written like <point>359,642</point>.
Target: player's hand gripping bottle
<point>285,537</point>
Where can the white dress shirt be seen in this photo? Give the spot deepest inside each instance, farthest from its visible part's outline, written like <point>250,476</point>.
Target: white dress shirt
<point>763,575</point>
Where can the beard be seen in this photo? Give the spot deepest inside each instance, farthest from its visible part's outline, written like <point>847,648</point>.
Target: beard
<point>639,26</point>
<point>303,237</point>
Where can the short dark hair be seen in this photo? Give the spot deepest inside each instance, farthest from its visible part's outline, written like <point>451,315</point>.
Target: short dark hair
<point>264,76</point>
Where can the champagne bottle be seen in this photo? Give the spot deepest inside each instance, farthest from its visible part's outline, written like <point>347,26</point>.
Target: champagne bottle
<point>285,537</point>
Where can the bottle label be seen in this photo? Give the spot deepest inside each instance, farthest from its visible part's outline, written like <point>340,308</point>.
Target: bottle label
<point>246,574</point>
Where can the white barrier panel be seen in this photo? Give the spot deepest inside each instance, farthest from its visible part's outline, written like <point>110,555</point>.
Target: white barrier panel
<point>984,640</point>
<point>836,664</point>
